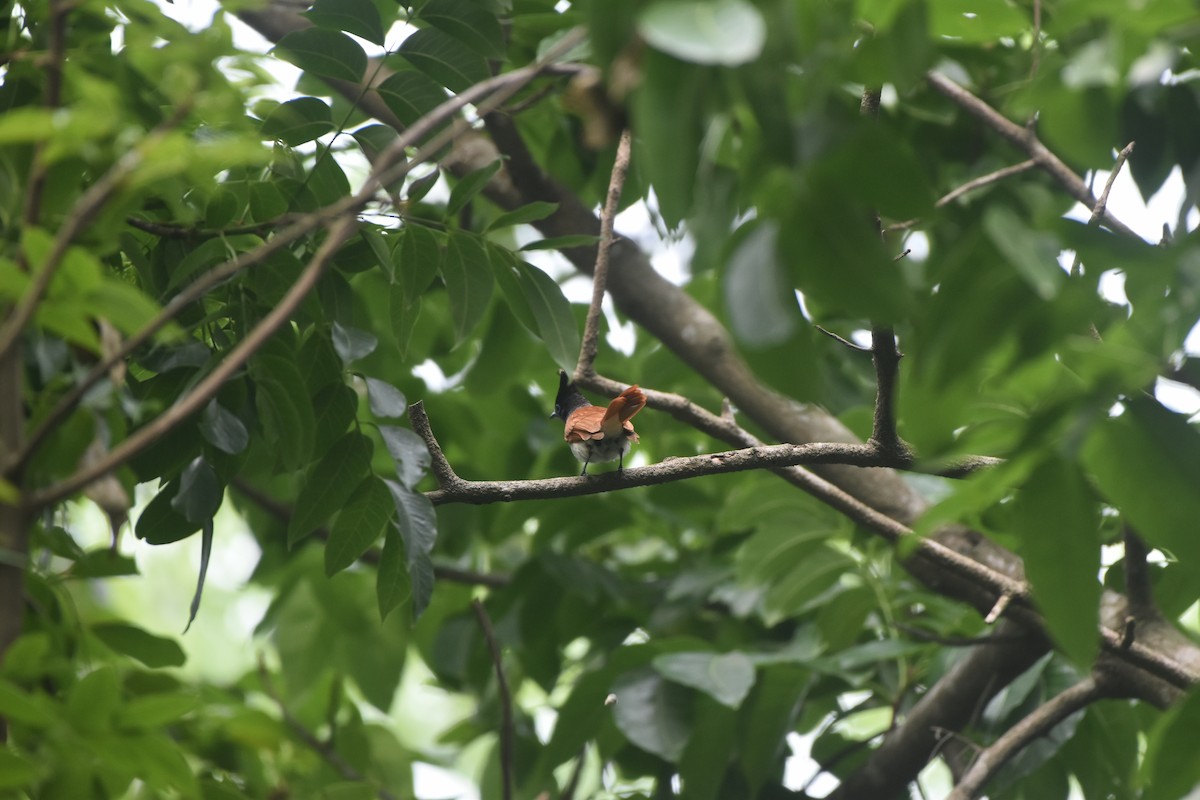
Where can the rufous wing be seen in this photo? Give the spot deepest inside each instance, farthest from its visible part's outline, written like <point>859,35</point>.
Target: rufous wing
<point>584,423</point>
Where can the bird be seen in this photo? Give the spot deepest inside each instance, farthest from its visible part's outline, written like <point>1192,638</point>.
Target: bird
<point>596,433</point>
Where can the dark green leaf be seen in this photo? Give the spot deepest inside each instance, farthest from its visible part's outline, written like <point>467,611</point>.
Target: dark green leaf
<point>555,322</point>
<point>329,483</point>
<point>469,23</point>
<point>330,54</point>
<point>417,260</point>
<point>206,539</point>
<point>531,212</point>
<point>153,651</point>
<point>385,400</point>
<point>1058,522</point>
<point>160,523</point>
<point>1032,253</point>
<point>359,17</point>
<point>16,772</point>
<point>411,95</point>
<point>469,186</point>
<point>1170,770</point>
<point>445,59</point>
<point>359,523</point>
<point>391,577</point>
<point>284,409</point>
<point>156,710</point>
<point>417,524</point>
<point>762,309</point>
<point>408,451</point>
<point>468,282</point>
<point>653,713</point>
<point>223,430</point>
<point>200,493</point>
<point>352,344</point>
<point>419,187</point>
<point>727,678</point>
<point>562,242</point>
<point>298,121</point>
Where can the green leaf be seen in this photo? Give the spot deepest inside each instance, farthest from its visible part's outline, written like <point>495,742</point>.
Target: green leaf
<point>359,17</point>
<point>709,750</point>
<point>15,771</point>
<point>469,23</point>
<point>156,710</point>
<point>417,260</point>
<point>469,186</point>
<point>298,121</point>
<point>409,452</point>
<point>206,540</point>
<point>160,523</point>
<point>531,212</point>
<point>445,59</point>
<point>411,95</point>
<point>200,492</point>
<point>128,308</point>
<point>352,344</point>
<point>152,651</point>
<point>1170,770</point>
<point>727,677</point>
<point>552,312</point>
<point>1143,462</point>
<point>223,430</point>
<point>985,23</point>
<point>469,281</point>
<point>1057,519</point>
<point>510,275</point>
<point>391,577</point>
<point>283,405</point>
<point>385,400</point>
<point>330,54</point>
<point>654,714</point>
<point>563,242</point>
<point>1034,254</point>
<point>358,524</point>
<point>667,113</point>
<point>419,187</point>
<point>25,707</point>
<point>417,524</point>
<point>329,484</point>
<point>726,32</point>
<point>762,308</point>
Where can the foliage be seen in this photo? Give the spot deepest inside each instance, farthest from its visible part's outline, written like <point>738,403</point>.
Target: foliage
<point>676,635</point>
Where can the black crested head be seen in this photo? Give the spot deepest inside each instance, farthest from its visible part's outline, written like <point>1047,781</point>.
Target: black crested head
<point>569,398</point>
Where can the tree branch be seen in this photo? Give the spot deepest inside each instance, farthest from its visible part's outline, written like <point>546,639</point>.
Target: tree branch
<point>591,326</point>
<point>506,715</point>
<point>1038,723</point>
<point>886,358</point>
<point>1024,139</point>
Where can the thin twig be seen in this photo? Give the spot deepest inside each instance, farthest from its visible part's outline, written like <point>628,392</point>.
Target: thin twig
<point>1039,722</point>
<point>212,383</point>
<point>886,358</point>
<point>969,186</point>
<point>1036,46</point>
<point>1102,204</point>
<point>442,471</point>
<point>487,95</point>
<point>167,230</point>
<point>842,340</point>
<point>1024,139</point>
<point>322,748</point>
<point>960,641</point>
<point>506,715</point>
<point>591,327</point>
<point>32,207</point>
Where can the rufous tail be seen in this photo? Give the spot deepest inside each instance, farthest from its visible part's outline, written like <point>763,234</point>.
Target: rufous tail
<point>621,409</point>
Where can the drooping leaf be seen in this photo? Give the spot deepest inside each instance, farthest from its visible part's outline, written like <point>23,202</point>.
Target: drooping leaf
<point>223,430</point>
<point>200,492</point>
<point>530,212</point>
<point>469,282</point>
<point>409,452</point>
<point>470,185</point>
<point>552,312</point>
<point>206,540</point>
<point>352,344</point>
<point>417,525</point>
<point>385,399</point>
<point>359,523</point>
<point>329,484</point>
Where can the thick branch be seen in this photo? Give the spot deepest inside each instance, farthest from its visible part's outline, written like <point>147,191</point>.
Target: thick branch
<point>886,358</point>
<point>1025,140</point>
<point>1038,723</point>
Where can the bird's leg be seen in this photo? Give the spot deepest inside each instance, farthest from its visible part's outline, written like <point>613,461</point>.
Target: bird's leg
<point>621,463</point>
<point>585,465</point>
